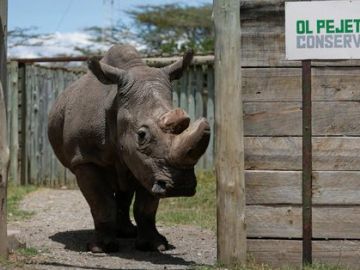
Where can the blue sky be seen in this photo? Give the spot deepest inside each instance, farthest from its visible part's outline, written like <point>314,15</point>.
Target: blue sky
<point>73,15</point>
<point>65,19</point>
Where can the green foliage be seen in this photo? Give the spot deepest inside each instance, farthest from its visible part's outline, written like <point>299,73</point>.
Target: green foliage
<point>175,28</point>
<point>104,38</point>
<point>27,252</point>
<point>15,195</point>
<point>199,210</point>
<point>27,36</point>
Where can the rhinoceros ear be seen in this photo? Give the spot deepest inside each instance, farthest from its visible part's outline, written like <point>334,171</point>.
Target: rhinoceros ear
<point>107,74</point>
<point>176,69</point>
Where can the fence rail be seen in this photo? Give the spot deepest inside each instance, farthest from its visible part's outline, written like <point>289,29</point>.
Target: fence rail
<point>33,89</point>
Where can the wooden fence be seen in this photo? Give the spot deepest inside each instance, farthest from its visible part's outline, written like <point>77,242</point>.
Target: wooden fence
<point>33,89</point>
<point>273,147</point>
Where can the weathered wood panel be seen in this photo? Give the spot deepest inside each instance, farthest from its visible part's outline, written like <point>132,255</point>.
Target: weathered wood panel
<point>284,153</point>
<point>41,87</point>
<point>282,253</point>
<point>274,221</point>
<point>284,84</point>
<point>284,187</point>
<point>329,222</point>
<point>210,114</point>
<point>13,125</point>
<point>285,118</point>
<point>229,125</point>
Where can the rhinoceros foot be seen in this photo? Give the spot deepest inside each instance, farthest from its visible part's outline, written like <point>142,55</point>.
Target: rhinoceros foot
<point>155,242</point>
<point>103,247</point>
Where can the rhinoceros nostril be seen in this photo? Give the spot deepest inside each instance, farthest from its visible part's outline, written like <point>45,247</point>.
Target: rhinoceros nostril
<point>162,184</point>
<point>159,187</point>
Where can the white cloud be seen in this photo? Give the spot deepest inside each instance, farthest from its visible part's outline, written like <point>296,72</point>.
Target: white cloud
<point>55,44</point>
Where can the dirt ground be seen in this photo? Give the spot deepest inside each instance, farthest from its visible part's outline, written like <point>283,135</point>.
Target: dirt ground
<point>62,224</point>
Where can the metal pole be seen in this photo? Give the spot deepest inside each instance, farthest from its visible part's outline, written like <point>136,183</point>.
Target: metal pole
<point>307,162</point>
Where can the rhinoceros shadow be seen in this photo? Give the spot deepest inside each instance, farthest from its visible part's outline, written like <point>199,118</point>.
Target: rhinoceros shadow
<point>76,241</point>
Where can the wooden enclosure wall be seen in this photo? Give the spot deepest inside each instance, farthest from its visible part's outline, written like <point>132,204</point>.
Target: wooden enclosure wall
<point>273,147</point>
<point>32,91</point>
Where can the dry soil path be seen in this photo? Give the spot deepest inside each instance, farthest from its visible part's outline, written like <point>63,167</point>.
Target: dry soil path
<point>62,224</point>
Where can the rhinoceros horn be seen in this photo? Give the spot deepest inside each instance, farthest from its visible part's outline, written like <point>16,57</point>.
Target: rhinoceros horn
<point>176,69</point>
<point>174,121</point>
<point>106,73</point>
<point>187,147</point>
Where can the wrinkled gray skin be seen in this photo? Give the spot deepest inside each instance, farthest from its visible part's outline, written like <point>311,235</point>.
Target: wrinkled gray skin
<point>116,130</point>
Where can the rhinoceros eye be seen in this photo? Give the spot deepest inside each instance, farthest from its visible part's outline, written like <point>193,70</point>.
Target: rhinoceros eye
<point>143,135</point>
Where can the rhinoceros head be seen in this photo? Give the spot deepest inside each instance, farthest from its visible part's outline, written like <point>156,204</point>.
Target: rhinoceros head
<point>154,140</point>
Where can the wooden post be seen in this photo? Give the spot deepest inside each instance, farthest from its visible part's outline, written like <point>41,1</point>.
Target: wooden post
<point>4,150</point>
<point>307,163</point>
<point>229,144</point>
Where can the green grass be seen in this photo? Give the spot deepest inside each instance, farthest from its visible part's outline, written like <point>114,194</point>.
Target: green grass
<point>15,195</point>
<point>27,252</point>
<point>199,210</point>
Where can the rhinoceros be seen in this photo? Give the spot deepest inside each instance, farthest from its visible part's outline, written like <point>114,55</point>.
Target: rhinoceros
<point>115,128</point>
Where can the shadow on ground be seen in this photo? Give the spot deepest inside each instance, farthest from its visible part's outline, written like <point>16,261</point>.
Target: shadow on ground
<point>76,241</point>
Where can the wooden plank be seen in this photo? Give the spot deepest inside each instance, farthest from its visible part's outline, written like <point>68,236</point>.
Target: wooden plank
<point>269,119</point>
<point>274,221</point>
<point>285,118</point>
<point>284,253</point>
<point>191,88</point>
<point>329,222</point>
<point>199,104</point>
<point>231,226</point>
<point>60,173</point>
<point>183,91</point>
<point>175,93</point>
<point>29,100</point>
<point>338,253</point>
<point>24,128</point>
<point>284,187</point>
<point>14,140</point>
<point>275,253</point>
<point>273,187</point>
<point>35,126</point>
<point>284,153</point>
<point>210,114</point>
<point>284,84</point>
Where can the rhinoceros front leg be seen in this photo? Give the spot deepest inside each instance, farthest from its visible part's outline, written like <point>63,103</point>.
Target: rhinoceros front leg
<point>125,228</point>
<point>148,238</point>
<point>100,196</point>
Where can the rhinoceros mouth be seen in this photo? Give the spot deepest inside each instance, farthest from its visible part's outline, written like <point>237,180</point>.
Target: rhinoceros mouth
<point>174,188</point>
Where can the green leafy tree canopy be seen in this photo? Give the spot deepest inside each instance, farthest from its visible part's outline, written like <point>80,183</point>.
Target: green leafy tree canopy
<point>175,28</point>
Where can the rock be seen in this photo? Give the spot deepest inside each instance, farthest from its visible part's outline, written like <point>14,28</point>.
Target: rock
<point>13,240</point>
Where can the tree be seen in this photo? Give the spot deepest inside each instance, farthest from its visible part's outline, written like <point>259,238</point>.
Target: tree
<point>174,28</point>
<point>26,37</point>
<point>104,38</point>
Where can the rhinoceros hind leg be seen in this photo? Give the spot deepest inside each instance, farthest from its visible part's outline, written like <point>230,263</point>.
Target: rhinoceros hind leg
<point>125,228</point>
<point>148,238</point>
<point>100,197</point>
